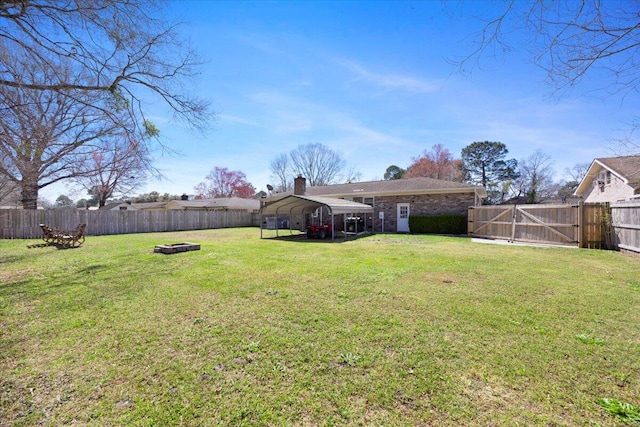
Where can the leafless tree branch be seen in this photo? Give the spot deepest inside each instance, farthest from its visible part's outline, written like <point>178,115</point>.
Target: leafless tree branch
<point>111,46</point>
<point>569,39</point>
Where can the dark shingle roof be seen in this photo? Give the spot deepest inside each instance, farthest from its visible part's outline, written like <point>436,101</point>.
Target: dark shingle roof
<point>391,187</point>
<point>230,203</point>
<point>627,167</point>
<point>136,206</point>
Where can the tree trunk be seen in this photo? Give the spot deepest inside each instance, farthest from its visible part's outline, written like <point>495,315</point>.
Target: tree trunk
<point>29,195</point>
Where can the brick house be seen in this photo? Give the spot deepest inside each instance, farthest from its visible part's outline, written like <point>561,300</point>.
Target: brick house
<point>393,201</point>
<point>612,179</point>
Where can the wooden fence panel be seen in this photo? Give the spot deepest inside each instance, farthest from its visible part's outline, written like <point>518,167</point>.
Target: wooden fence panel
<point>595,232</point>
<point>550,224</point>
<point>494,222</point>
<point>24,224</point>
<point>625,221</point>
<point>555,224</point>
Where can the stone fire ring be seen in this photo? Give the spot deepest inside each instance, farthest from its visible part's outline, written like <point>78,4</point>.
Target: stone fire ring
<point>173,248</point>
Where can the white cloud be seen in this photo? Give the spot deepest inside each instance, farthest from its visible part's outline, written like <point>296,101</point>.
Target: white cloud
<point>225,118</point>
<point>391,81</point>
<point>258,40</point>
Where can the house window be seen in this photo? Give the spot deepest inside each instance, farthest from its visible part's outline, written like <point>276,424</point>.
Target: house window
<point>604,178</point>
<point>368,201</point>
<point>404,212</point>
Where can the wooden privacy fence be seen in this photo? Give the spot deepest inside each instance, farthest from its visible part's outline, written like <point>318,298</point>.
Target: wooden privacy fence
<point>582,225</point>
<point>24,224</point>
<point>625,224</point>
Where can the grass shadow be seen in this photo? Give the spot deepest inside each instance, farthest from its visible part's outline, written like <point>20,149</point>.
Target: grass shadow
<point>16,258</point>
<point>302,238</point>
<point>92,268</point>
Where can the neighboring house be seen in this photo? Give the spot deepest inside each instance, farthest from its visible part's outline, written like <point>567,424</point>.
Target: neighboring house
<point>128,206</point>
<point>221,204</point>
<point>611,179</point>
<point>394,200</point>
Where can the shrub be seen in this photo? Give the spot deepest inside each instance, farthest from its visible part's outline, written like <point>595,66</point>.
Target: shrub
<point>438,224</point>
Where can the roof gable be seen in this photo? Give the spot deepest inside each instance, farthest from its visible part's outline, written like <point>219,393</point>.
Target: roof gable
<point>294,204</point>
<point>626,168</point>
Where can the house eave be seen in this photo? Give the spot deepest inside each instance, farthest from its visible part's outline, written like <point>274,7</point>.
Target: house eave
<point>479,191</point>
<point>592,173</point>
<point>406,192</point>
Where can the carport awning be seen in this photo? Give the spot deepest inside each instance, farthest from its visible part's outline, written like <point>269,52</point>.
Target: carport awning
<point>295,204</point>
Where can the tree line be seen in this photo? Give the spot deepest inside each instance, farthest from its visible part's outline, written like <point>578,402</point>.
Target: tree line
<point>65,202</point>
<point>485,163</point>
<point>506,180</point>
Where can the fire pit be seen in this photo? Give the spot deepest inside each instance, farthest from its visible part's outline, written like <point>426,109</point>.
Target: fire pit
<point>173,248</point>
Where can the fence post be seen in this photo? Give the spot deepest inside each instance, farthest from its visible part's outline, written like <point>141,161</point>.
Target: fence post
<point>513,223</point>
<point>607,226</point>
<point>581,228</point>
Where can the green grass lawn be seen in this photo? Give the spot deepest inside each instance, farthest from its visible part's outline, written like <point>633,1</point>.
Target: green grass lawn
<point>387,330</point>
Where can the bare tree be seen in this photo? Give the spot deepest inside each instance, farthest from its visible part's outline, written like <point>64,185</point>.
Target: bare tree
<point>352,175</point>
<point>577,171</point>
<point>45,136</point>
<point>8,188</point>
<point>535,179</point>
<point>122,49</point>
<point>118,165</point>
<point>569,39</point>
<point>75,73</point>
<point>317,163</point>
<point>281,173</point>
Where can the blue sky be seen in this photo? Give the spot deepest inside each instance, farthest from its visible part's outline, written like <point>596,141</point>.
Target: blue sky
<point>370,80</point>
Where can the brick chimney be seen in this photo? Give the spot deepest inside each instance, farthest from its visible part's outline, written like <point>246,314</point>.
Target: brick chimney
<point>299,186</point>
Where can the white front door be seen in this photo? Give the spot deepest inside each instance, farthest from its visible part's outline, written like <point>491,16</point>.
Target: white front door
<point>403,217</point>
